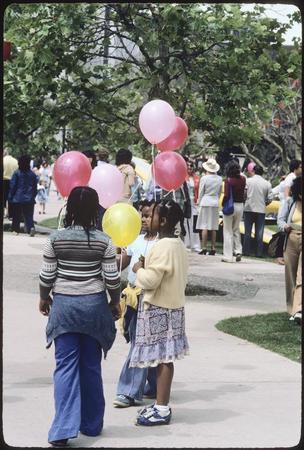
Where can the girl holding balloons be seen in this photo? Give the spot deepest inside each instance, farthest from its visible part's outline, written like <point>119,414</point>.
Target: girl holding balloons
<point>131,384</point>
<point>160,332</point>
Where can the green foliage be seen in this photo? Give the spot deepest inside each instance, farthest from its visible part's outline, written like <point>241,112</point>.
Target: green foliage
<point>220,68</point>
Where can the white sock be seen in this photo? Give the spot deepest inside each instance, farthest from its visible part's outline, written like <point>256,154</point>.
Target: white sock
<point>162,409</point>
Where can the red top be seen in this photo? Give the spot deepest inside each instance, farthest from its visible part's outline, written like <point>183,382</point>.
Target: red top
<point>238,188</point>
<point>196,180</point>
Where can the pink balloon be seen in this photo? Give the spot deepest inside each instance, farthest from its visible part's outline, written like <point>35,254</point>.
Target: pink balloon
<point>177,137</point>
<point>108,182</point>
<point>71,169</point>
<point>169,170</point>
<point>250,167</point>
<point>156,120</point>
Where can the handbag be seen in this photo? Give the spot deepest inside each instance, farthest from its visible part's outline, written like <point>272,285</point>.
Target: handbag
<point>276,245</point>
<point>228,206</point>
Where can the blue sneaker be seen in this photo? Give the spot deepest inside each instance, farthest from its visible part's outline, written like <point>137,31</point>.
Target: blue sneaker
<point>151,417</point>
<point>123,401</point>
<point>144,409</point>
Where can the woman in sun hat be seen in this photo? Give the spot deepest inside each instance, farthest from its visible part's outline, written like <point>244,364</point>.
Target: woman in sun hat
<point>208,201</point>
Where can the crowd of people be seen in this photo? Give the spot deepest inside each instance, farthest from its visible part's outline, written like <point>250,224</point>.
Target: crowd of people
<point>81,265</point>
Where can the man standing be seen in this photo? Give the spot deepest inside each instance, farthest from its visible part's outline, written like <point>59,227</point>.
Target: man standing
<point>259,195</point>
<point>10,164</point>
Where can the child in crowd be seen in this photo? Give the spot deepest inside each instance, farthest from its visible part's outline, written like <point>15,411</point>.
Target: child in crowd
<point>160,331</point>
<point>41,195</point>
<point>131,385</point>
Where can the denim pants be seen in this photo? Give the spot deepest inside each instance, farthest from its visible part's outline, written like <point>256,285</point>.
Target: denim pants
<point>132,380</point>
<point>78,390</point>
<point>258,219</point>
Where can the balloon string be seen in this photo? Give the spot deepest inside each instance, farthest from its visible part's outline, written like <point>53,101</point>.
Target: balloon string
<point>59,217</point>
<point>120,262</point>
<point>174,196</point>
<point>153,174</point>
<point>137,187</point>
<point>170,192</point>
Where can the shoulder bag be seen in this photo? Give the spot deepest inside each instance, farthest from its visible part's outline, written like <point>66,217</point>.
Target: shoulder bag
<point>228,206</point>
<point>276,245</point>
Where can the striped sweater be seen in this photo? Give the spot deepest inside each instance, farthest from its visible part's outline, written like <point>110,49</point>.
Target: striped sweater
<point>70,266</point>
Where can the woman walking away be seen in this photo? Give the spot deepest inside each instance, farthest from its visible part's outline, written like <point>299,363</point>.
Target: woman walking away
<point>290,221</point>
<point>160,331</point>
<point>232,235</point>
<point>22,193</point>
<point>78,265</point>
<point>131,385</point>
<point>209,192</point>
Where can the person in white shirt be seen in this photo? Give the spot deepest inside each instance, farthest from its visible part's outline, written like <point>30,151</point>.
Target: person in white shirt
<point>295,168</point>
<point>259,195</point>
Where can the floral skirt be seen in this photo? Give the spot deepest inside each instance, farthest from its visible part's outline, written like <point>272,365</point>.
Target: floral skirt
<point>160,336</point>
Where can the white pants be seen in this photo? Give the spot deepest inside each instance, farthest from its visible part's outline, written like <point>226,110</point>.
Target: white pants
<point>232,235</point>
<point>192,240</point>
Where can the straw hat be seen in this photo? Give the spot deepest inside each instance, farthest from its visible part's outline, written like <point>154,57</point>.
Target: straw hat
<point>211,166</point>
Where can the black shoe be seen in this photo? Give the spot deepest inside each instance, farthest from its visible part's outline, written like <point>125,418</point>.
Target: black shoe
<point>59,443</point>
<point>298,317</point>
<point>238,257</point>
<point>212,252</point>
<point>203,252</point>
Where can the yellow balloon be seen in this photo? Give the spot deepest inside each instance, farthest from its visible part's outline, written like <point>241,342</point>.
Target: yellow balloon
<point>122,223</point>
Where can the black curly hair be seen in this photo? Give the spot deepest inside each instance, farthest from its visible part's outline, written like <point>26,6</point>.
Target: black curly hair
<point>82,209</point>
<point>123,156</point>
<point>233,169</point>
<point>172,212</point>
<point>24,163</point>
<point>296,188</point>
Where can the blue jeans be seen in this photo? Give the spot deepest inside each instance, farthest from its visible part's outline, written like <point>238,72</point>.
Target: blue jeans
<point>78,390</point>
<point>132,380</point>
<point>258,219</point>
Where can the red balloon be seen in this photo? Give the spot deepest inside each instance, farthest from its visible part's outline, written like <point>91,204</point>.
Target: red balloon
<point>169,170</point>
<point>71,169</point>
<point>6,50</point>
<point>176,139</point>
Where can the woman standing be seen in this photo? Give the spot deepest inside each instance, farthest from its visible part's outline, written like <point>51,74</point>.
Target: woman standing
<point>232,235</point>
<point>79,264</point>
<point>209,193</point>
<point>22,194</point>
<point>123,163</point>
<point>290,221</point>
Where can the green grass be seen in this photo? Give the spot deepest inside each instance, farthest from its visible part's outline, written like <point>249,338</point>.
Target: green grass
<point>49,223</point>
<point>273,228</point>
<point>271,331</point>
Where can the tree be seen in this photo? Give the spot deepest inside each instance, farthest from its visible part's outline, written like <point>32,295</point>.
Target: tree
<point>221,69</point>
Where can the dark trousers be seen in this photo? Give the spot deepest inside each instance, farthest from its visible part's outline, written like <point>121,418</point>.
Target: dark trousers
<point>78,389</point>
<point>258,219</point>
<point>27,211</point>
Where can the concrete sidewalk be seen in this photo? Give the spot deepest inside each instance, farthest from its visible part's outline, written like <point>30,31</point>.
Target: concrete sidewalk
<point>226,393</point>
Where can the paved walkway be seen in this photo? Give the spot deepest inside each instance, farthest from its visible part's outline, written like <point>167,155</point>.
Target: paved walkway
<point>226,393</point>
